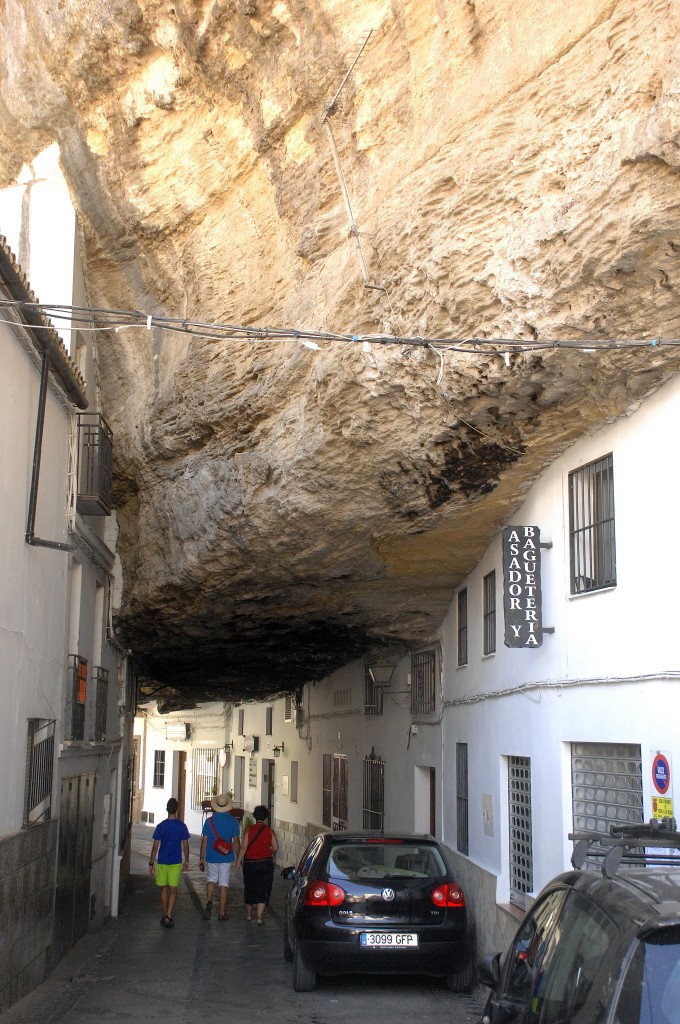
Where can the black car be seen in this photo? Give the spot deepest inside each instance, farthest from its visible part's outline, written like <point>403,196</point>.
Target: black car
<point>598,947</point>
<point>368,902</point>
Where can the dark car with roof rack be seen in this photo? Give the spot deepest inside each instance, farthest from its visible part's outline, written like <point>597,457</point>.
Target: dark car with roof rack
<point>374,903</point>
<point>598,946</point>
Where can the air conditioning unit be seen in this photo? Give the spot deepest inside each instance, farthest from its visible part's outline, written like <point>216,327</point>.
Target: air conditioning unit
<point>251,744</point>
<point>176,730</point>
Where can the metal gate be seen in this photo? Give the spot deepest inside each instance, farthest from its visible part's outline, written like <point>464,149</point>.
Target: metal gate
<point>72,904</point>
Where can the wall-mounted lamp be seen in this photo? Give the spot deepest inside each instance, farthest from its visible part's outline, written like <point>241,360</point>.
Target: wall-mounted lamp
<point>279,750</point>
<point>381,674</point>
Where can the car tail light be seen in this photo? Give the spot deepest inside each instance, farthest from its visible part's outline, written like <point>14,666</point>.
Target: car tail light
<point>324,894</point>
<point>448,895</point>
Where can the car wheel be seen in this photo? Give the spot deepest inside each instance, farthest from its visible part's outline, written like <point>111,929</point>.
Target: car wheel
<point>304,979</point>
<point>287,948</point>
<point>462,980</point>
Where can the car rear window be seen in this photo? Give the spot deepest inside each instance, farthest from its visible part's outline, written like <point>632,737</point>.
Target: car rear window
<point>650,993</point>
<point>357,861</point>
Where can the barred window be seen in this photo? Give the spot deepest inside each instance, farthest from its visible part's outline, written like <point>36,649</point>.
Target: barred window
<point>374,791</point>
<point>100,678</point>
<point>423,665</point>
<point>462,840</point>
<point>206,774</point>
<point>241,723</point>
<point>373,695</point>
<point>490,613</point>
<point>39,771</point>
<point>592,540</point>
<point>462,628</point>
<point>159,769</point>
<point>293,782</point>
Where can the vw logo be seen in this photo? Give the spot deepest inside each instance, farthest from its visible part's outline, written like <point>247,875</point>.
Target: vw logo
<point>388,895</point>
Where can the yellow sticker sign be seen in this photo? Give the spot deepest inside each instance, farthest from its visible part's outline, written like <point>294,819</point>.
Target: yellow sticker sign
<point>662,807</point>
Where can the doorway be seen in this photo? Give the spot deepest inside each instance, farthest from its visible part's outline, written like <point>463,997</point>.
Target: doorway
<point>268,786</point>
<point>74,862</point>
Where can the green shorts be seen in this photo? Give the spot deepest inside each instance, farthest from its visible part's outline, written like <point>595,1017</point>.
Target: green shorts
<point>168,874</point>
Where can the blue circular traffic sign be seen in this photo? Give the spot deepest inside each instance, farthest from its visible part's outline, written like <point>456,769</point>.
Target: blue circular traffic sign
<point>661,774</point>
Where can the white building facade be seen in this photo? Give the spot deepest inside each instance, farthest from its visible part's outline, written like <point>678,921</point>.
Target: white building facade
<point>502,752</point>
<point>66,733</point>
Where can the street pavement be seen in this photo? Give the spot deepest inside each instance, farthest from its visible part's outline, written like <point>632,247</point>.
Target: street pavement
<point>206,971</point>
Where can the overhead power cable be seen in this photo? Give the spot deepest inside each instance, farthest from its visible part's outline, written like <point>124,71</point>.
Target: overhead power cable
<point>89,318</point>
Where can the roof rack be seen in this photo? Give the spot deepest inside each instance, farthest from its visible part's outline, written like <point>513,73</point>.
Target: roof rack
<point>622,842</point>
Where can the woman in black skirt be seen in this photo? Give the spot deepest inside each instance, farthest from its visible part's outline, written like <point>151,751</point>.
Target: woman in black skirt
<point>258,846</point>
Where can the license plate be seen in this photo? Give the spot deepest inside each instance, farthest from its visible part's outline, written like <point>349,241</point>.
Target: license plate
<point>389,940</point>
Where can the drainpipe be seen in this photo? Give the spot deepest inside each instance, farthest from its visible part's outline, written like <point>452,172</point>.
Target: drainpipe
<point>35,475</point>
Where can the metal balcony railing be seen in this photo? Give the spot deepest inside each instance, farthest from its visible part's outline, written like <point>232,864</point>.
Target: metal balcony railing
<point>78,671</point>
<point>95,465</point>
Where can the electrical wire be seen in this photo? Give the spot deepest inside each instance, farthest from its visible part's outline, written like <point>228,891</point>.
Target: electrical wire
<point>93,319</point>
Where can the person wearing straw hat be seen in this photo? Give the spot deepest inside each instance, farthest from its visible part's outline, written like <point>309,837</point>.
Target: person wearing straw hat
<point>220,844</point>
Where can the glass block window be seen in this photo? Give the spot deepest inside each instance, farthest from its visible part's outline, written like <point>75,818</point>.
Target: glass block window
<point>606,785</point>
<point>519,813</point>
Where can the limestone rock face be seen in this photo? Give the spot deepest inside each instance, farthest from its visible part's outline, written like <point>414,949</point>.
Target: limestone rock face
<point>512,169</point>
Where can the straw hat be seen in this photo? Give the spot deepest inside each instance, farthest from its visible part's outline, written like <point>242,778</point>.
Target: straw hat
<point>221,803</point>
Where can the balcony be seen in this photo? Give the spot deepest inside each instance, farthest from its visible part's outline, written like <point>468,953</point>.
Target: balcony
<point>95,465</point>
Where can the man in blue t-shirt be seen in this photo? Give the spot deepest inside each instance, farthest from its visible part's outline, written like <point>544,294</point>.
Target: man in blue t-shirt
<point>225,826</point>
<point>170,841</point>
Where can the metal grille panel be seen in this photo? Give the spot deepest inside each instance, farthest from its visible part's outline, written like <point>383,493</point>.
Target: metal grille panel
<point>521,849</point>
<point>606,781</point>
<point>39,770</point>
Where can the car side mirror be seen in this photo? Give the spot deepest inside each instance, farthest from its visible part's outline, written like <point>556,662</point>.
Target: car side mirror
<point>489,970</point>
<point>288,873</point>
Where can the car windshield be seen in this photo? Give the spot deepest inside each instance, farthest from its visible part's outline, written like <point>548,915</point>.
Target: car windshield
<point>650,993</point>
<point>376,860</point>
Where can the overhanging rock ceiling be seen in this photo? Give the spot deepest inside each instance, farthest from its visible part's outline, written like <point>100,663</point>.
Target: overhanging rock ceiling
<point>513,172</point>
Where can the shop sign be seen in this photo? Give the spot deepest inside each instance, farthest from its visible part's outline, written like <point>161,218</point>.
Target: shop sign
<point>522,586</point>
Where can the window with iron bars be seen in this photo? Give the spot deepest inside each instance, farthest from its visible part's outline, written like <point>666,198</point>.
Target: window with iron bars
<point>100,679</point>
<point>206,773</point>
<point>592,540</point>
<point>462,628</point>
<point>159,769</point>
<point>269,721</point>
<point>373,695</point>
<point>462,802</point>
<point>490,613</point>
<point>240,728</point>
<point>78,670</point>
<point>520,831</point>
<point>39,771</point>
<point>423,671</point>
<point>374,791</point>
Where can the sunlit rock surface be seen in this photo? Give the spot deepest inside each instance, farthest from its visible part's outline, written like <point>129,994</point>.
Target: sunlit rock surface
<point>513,171</point>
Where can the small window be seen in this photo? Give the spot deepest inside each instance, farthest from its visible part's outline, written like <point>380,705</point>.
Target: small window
<point>269,719</point>
<point>159,769</point>
<point>241,722</point>
<point>462,628</point>
<point>592,541</point>
<point>293,782</point>
<point>374,791</point>
<point>288,708</point>
<point>490,613</point>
